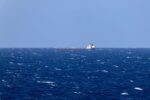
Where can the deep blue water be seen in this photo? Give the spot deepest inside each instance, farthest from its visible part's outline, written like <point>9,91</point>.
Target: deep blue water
<point>67,74</point>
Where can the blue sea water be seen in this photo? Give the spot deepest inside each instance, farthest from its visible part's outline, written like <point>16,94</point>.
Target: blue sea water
<point>74,74</point>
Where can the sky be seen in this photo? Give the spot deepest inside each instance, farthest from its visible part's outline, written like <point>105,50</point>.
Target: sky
<point>74,23</point>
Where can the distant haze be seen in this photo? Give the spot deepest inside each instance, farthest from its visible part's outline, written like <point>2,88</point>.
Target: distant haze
<point>75,23</point>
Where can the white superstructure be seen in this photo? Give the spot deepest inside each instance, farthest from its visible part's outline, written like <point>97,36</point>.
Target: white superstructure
<point>91,46</point>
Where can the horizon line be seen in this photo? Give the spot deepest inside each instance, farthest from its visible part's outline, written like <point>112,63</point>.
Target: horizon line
<point>73,48</point>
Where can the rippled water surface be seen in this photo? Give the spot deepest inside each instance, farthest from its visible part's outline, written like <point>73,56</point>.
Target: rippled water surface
<point>74,74</point>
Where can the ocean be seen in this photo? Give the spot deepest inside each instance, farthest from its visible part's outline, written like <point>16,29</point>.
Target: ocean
<point>74,74</point>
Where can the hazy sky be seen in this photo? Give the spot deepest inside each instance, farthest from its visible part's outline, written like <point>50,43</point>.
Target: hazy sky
<point>74,23</point>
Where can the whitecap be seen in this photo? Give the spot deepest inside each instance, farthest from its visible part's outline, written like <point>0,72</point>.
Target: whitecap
<point>58,69</point>
<point>50,83</point>
<point>124,93</point>
<point>11,63</point>
<point>34,53</point>
<point>145,62</point>
<point>115,66</point>
<point>131,81</point>
<point>98,60</point>
<point>19,64</point>
<point>46,66</point>
<point>138,57</point>
<point>105,71</point>
<point>128,57</point>
<point>138,88</point>
<point>9,86</point>
<point>97,71</point>
<point>20,57</point>
<point>9,72</point>
<point>36,76</point>
<point>124,61</point>
<point>47,82</point>
<point>68,76</point>
<point>49,94</point>
<point>72,58</point>
<point>102,63</point>
<point>29,65</point>
<point>77,92</point>
<point>3,80</point>
<point>129,52</point>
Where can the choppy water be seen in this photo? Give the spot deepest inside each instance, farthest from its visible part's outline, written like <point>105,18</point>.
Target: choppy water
<point>65,74</point>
